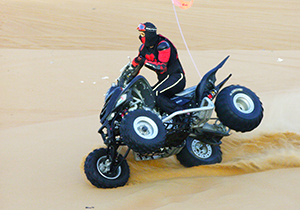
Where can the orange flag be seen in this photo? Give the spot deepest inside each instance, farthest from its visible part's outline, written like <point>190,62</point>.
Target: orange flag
<point>183,4</point>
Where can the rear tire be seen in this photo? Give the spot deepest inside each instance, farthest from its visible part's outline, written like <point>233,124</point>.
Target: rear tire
<point>239,108</point>
<point>197,153</point>
<point>142,131</point>
<point>96,168</point>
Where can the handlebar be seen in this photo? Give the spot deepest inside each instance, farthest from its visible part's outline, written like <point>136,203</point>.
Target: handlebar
<point>128,72</point>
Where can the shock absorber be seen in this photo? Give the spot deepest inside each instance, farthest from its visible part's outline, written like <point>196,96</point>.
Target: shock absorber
<point>212,94</point>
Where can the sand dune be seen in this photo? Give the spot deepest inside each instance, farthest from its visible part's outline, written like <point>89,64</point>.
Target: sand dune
<point>57,60</point>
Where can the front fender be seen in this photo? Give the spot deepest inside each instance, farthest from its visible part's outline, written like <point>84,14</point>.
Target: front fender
<point>144,89</point>
<point>138,87</point>
<point>110,103</point>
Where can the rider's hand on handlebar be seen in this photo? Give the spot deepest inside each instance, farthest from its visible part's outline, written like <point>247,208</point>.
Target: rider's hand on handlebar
<point>140,60</point>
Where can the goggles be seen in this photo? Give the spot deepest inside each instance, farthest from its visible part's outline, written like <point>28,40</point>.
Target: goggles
<point>141,27</point>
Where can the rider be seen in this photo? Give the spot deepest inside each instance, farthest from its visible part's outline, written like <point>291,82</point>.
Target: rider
<point>160,55</point>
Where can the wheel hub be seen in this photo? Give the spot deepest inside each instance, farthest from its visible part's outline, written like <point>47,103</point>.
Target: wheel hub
<point>103,167</point>
<point>145,127</point>
<point>243,103</point>
<point>201,150</point>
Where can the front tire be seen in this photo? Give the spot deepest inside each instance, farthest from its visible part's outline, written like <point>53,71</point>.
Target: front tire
<point>197,153</point>
<point>142,131</point>
<point>239,108</point>
<point>96,168</point>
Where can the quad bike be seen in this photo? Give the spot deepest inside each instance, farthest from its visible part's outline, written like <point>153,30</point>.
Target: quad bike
<point>130,119</point>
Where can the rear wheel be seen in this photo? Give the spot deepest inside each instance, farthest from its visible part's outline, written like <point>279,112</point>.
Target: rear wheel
<point>197,153</point>
<point>142,131</point>
<point>97,170</point>
<point>239,108</point>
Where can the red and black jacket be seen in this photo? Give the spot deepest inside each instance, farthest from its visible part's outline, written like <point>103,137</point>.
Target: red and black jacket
<point>161,58</point>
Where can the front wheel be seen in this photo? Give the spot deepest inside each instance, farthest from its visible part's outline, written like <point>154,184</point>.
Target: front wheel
<point>239,108</point>
<point>97,170</point>
<point>197,153</point>
<point>142,131</point>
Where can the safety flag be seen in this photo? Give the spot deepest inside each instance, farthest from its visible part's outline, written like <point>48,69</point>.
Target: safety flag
<point>183,4</point>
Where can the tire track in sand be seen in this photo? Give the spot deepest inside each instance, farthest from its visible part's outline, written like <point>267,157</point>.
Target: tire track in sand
<point>240,156</point>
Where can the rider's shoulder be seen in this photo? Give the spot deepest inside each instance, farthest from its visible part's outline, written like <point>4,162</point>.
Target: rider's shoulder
<point>141,47</point>
<point>163,45</point>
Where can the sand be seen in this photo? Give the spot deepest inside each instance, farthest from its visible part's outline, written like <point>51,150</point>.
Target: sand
<point>59,57</point>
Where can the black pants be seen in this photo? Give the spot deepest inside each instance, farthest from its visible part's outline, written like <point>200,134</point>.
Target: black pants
<point>166,89</point>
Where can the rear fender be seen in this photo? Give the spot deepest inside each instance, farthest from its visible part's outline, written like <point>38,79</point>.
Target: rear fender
<point>207,83</point>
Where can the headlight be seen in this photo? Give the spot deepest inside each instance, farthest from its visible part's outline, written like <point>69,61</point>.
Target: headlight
<point>121,100</point>
<point>111,116</point>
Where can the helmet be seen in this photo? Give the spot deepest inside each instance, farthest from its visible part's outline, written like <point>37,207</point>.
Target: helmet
<point>150,33</point>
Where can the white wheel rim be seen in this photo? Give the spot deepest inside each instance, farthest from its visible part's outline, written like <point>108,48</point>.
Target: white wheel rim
<point>145,127</point>
<point>103,167</point>
<point>201,150</point>
<point>243,103</point>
